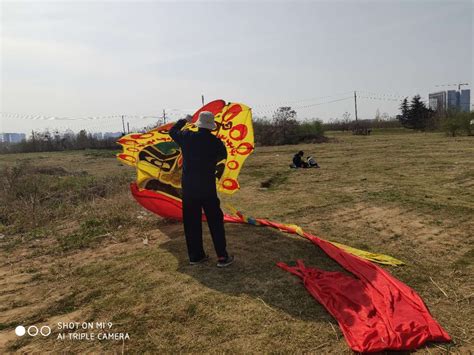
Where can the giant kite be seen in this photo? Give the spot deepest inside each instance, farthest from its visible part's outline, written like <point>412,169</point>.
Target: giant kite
<point>375,311</point>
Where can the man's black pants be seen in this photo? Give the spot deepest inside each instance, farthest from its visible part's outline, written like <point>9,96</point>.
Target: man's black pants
<point>192,214</point>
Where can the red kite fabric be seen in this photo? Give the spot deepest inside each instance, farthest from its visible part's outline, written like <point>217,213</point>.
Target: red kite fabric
<point>375,311</point>
<point>165,206</point>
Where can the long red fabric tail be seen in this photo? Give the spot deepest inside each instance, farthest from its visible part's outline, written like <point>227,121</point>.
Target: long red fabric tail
<point>375,311</point>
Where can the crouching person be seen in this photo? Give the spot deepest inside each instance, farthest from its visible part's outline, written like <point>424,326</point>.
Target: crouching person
<point>298,160</point>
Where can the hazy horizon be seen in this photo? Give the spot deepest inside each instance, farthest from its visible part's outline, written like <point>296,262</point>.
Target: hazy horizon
<point>75,59</point>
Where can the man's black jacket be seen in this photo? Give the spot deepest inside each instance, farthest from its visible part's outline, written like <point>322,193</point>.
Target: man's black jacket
<point>297,160</point>
<point>201,151</point>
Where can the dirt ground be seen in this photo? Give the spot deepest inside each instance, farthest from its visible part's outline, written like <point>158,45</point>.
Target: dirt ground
<point>99,257</point>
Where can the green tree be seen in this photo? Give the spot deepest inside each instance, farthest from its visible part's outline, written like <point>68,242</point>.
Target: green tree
<point>415,115</point>
<point>456,121</point>
<point>81,139</point>
<point>285,126</point>
<point>404,108</point>
<point>418,113</point>
<point>311,131</point>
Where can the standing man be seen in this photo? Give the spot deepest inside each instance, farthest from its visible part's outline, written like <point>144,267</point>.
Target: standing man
<point>201,151</point>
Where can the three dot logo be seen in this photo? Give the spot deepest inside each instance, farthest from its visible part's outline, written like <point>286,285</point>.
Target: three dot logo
<point>20,330</point>
<point>32,330</point>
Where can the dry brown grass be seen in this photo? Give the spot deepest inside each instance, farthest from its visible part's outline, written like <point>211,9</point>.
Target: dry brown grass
<point>407,195</point>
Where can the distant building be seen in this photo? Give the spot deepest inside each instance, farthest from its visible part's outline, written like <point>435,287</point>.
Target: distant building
<point>453,99</point>
<point>12,137</point>
<point>465,100</point>
<point>450,100</point>
<point>437,101</point>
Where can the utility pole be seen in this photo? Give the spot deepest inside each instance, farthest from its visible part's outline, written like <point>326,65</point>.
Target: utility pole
<point>355,103</point>
<point>164,116</point>
<point>202,99</point>
<point>123,125</point>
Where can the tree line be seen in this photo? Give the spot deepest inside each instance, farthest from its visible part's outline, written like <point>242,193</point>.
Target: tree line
<point>47,141</point>
<point>416,115</point>
<point>282,128</point>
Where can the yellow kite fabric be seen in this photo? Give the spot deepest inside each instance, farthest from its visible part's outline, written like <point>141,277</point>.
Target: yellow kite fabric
<point>374,257</point>
<point>158,159</point>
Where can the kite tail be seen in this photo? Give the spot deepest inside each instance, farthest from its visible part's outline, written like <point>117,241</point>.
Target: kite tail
<point>295,229</point>
<point>359,303</point>
<point>367,255</point>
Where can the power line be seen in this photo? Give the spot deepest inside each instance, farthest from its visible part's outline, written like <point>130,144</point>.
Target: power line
<point>303,107</point>
<point>293,102</point>
<point>55,118</point>
<point>379,98</point>
<point>172,113</point>
<point>323,103</point>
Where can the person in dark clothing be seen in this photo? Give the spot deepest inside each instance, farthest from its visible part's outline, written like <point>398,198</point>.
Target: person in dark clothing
<point>201,151</point>
<point>298,160</point>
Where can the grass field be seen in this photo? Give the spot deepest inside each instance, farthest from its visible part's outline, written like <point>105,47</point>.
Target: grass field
<point>76,247</point>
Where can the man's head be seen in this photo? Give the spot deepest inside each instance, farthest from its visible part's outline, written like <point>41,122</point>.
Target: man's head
<point>206,120</point>
<point>300,153</point>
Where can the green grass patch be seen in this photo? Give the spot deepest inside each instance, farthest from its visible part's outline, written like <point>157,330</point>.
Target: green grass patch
<point>91,232</point>
<point>405,195</point>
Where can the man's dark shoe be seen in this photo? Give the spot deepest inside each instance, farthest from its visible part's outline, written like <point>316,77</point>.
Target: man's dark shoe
<point>224,262</point>
<point>203,260</point>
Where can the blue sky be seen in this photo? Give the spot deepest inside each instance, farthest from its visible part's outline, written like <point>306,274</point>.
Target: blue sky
<point>89,59</point>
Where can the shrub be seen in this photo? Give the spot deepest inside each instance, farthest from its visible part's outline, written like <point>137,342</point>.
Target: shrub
<point>285,129</point>
<point>312,131</point>
<point>454,122</point>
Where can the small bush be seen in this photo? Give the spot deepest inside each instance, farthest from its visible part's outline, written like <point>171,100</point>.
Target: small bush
<point>289,132</point>
<point>348,125</point>
<point>456,122</point>
<point>311,132</point>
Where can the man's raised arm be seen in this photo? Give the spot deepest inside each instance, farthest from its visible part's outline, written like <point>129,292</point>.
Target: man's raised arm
<point>175,131</point>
